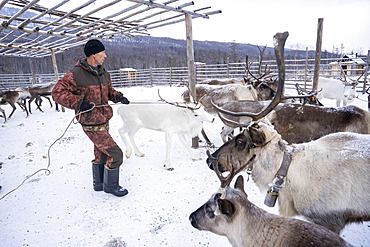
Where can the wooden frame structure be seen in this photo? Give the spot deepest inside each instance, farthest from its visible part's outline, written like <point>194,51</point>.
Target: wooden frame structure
<point>52,30</point>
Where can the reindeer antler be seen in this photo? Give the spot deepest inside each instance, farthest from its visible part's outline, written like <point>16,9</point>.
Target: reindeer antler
<point>225,181</point>
<point>177,104</point>
<point>280,39</point>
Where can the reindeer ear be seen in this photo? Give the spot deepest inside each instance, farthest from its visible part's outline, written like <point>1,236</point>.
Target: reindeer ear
<point>226,207</point>
<point>239,184</point>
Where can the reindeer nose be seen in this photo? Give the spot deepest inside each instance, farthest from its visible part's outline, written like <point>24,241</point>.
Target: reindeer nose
<point>209,163</point>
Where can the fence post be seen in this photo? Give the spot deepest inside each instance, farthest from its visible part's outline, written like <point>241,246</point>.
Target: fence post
<point>55,71</point>
<point>228,69</point>
<point>366,69</point>
<point>306,70</point>
<point>318,55</point>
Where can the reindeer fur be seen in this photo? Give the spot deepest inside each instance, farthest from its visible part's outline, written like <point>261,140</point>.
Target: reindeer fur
<point>244,224</point>
<point>327,181</point>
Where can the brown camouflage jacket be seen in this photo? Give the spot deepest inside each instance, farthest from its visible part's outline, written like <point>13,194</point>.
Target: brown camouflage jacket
<point>82,81</point>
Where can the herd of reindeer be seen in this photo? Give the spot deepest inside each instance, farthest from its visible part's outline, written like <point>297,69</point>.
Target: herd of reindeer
<point>20,96</point>
<point>313,160</point>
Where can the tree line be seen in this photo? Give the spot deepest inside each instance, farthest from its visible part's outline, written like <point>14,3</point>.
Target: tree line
<point>142,52</point>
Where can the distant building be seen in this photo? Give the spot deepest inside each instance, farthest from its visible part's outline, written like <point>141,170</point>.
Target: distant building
<point>128,75</point>
<point>351,65</point>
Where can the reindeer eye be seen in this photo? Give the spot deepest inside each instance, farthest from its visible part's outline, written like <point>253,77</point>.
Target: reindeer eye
<point>240,144</point>
<point>210,212</point>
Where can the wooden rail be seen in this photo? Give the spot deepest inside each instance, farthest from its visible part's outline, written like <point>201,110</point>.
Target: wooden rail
<point>296,72</point>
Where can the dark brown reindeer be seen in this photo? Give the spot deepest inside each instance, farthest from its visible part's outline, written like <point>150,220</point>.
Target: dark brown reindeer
<point>231,214</point>
<point>38,91</point>
<point>325,180</point>
<point>294,123</point>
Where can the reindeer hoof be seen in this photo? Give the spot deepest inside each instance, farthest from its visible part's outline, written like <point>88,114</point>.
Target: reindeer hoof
<point>168,168</point>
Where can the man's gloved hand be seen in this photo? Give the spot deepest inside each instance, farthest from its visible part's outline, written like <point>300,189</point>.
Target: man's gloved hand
<point>84,105</point>
<point>123,99</point>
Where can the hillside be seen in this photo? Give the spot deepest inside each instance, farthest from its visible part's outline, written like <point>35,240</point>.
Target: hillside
<point>142,52</point>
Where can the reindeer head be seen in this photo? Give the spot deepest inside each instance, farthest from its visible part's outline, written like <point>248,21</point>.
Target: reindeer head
<point>218,214</point>
<point>240,149</point>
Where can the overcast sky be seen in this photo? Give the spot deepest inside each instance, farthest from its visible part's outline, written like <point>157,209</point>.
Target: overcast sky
<point>346,22</point>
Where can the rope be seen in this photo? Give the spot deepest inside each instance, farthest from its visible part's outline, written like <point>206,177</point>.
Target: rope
<point>47,170</point>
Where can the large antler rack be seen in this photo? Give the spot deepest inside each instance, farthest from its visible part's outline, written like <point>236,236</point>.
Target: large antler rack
<point>178,104</point>
<point>280,39</point>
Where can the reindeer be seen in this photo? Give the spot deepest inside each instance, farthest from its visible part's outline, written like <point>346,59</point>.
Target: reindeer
<point>36,91</point>
<point>221,94</point>
<point>171,119</point>
<point>296,124</point>
<point>331,88</point>
<point>219,82</point>
<point>11,97</point>
<point>324,180</point>
<point>231,214</point>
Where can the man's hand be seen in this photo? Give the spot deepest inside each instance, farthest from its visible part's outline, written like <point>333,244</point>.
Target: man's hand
<point>84,105</point>
<point>123,99</point>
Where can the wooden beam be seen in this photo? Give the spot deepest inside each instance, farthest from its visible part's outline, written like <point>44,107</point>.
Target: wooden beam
<point>318,54</point>
<point>191,67</point>
<point>55,70</point>
<point>190,56</point>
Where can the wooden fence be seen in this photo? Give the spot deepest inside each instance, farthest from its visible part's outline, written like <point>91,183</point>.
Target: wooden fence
<point>297,71</point>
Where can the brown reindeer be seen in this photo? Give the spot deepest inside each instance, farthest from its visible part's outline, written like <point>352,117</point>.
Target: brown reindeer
<point>325,180</point>
<point>231,214</point>
<point>38,91</point>
<point>11,97</point>
<point>296,124</point>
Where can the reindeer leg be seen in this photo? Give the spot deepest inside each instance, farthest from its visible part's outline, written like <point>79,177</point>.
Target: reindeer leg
<point>209,143</point>
<point>29,104</point>
<point>131,134</point>
<point>4,115</point>
<point>167,163</point>
<point>122,133</point>
<point>38,102</point>
<point>11,114</point>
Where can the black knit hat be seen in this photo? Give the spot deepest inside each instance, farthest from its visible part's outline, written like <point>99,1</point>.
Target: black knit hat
<point>93,46</point>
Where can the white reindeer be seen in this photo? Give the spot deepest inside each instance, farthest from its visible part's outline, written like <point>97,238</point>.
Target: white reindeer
<point>336,89</point>
<point>161,117</point>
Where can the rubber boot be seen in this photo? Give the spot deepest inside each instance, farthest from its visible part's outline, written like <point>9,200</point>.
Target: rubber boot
<point>110,184</point>
<point>98,176</point>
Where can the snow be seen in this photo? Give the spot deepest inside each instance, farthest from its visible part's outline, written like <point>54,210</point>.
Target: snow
<point>62,209</point>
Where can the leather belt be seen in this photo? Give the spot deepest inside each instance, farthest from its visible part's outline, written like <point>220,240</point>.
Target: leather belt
<point>101,127</point>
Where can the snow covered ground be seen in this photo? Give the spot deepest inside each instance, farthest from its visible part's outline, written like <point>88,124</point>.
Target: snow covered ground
<point>61,208</point>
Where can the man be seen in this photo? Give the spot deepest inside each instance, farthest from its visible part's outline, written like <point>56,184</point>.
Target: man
<point>86,88</point>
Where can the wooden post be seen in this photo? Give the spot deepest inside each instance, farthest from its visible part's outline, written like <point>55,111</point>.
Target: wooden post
<point>191,67</point>
<point>366,69</point>
<point>32,71</point>
<point>55,71</point>
<point>190,56</point>
<point>306,70</point>
<point>318,54</point>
